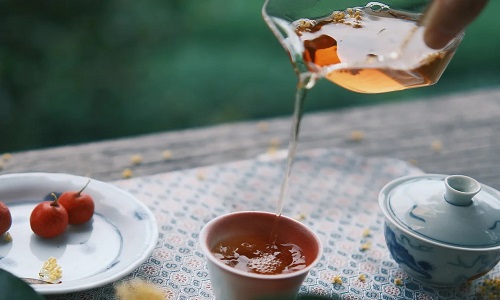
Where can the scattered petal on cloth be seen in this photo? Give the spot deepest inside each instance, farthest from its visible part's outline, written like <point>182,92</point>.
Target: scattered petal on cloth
<point>334,192</point>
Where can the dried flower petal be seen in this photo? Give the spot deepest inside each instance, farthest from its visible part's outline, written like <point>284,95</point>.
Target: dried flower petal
<point>138,290</point>
<point>337,279</point>
<point>127,173</point>
<point>167,155</point>
<point>366,246</point>
<point>6,156</point>
<point>7,237</point>
<point>50,271</point>
<point>136,159</point>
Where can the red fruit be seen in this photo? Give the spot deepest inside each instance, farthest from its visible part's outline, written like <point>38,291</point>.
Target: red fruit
<point>80,207</point>
<point>49,219</point>
<point>5,218</point>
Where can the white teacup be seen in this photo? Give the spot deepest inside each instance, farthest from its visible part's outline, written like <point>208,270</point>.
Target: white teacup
<point>232,283</point>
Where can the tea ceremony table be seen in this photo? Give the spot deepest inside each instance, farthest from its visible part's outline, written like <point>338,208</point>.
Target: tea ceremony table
<point>344,158</point>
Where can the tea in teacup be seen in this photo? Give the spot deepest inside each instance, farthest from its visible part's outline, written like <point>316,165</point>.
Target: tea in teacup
<point>256,254</point>
<point>244,263</point>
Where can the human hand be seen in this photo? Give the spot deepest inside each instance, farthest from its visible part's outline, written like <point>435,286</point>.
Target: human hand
<point>447,18</point>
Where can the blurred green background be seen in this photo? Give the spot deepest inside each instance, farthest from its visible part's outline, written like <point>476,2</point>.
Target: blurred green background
<point>78,71</point>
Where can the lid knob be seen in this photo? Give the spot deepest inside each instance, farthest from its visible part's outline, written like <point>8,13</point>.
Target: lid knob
<point>460,189</point>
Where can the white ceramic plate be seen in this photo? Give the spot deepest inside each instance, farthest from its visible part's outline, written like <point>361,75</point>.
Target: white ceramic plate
<point>121,235</point>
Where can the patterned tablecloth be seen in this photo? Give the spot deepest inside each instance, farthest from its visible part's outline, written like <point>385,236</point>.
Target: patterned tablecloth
<point>332,191</point>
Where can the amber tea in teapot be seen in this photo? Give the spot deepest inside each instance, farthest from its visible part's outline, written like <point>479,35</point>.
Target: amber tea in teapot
<point>370,48</point>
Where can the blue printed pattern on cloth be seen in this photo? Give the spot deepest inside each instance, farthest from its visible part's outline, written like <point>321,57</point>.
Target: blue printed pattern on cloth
<point>334,192</point>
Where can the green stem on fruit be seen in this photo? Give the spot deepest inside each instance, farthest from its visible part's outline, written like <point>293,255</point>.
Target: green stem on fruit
<point>80,192</point>
<point>54,203</point>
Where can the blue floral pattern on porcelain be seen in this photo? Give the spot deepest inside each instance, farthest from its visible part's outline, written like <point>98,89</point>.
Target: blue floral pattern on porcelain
<point>403,257</point>
<point>437,265</point>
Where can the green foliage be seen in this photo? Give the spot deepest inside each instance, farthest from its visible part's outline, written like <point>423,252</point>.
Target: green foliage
<point>13,288</point>
<point>78,71</point>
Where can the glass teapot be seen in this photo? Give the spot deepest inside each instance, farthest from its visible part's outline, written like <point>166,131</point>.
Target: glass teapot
<point>366,47</point>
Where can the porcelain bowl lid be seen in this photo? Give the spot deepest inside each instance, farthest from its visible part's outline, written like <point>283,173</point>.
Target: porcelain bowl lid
<point>453,210</point>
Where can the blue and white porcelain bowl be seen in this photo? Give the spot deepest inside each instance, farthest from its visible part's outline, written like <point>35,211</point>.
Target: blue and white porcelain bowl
<point>442,230</point>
